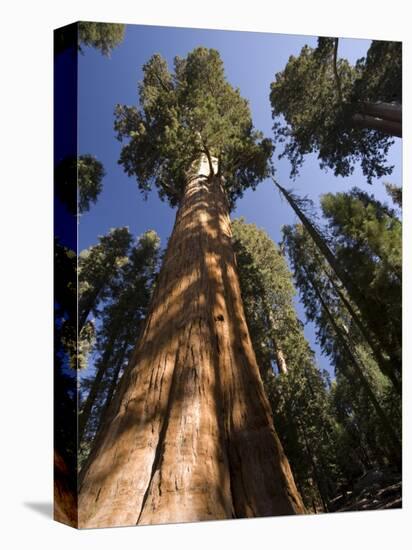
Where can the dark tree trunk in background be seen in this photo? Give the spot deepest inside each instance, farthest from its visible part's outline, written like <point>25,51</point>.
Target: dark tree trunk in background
<point>392,367</point>
<point>386,424</point>
<point>94,390</point>
<point>377,354</point>
<point>318,480</point>
<point>386,111</point>
<point>85,307</point>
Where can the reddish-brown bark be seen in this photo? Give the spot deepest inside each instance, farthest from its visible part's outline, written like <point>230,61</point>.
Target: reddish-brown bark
<point>189,435</point>
<point>65,498</point>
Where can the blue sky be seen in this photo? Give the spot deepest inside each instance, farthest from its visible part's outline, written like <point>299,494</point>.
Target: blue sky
<point>251,61</point>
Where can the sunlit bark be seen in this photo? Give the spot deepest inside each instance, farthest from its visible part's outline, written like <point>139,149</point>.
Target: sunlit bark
<point>189,435</point>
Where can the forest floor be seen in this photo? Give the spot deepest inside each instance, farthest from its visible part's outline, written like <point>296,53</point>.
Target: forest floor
<point>375,490</point>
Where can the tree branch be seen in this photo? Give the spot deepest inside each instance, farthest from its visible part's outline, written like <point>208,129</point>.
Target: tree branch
<point>206,151</point>
<point>335,70</point>
<point>368,122</point>
<point>161,82</point>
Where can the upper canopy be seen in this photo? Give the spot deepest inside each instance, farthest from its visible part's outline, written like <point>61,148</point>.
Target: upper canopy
<point>182,115</point>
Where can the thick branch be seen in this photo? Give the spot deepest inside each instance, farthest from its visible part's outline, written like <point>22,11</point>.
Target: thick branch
<point>386,111</point>
<point>335,70</point>
<point>209,157</point>
<point>161,82</point>
<point>389,127</point>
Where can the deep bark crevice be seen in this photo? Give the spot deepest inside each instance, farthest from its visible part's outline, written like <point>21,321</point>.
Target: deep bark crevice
<point>158,455</point>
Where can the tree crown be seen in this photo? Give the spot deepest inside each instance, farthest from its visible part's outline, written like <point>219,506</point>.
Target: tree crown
<point>79,182</point>
<point>102,36</point>
<point>185,114</point>
<point>315,98</point>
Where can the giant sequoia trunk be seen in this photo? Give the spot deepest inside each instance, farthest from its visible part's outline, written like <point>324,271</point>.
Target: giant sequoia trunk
<point>189,435</point>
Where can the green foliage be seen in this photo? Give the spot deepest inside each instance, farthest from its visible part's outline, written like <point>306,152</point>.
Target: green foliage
<point>129,292</point>
<point>315,97</point>
<point>363,444</point>
<point>65,183</point>
<point>395,193</point>
<point>183,115</point>
<point>267,290</point>
<point>102,36</point>
<point>68,349</point>
<point>120,318</point>
<point>65,381</point>
<point>299,398</point>
<point>78,348</point>
<point>65,271</point>
<point>359,221</point>
<point>304,421</point>
<point>90,173</point>
<point>305,258</point>
<point>78,182</point>
<point>380,73</point>
<point>97,266</point>
<point>366,318</point>
<point>364,425</point>
<point>367,238</point>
